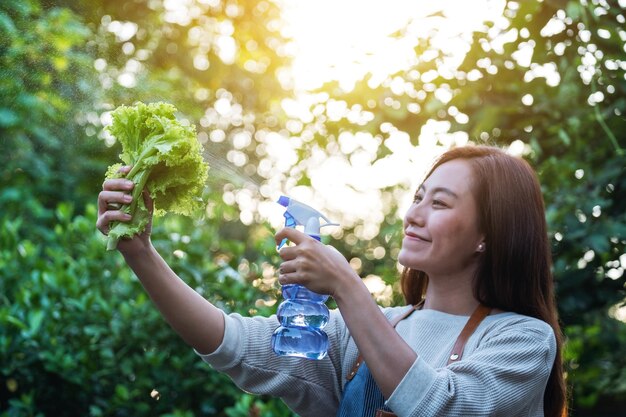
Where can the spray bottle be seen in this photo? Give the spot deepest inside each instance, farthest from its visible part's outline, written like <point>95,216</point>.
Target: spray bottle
<point>302,314</point>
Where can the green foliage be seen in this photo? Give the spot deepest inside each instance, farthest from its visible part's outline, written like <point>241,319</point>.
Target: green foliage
<point>80,337</point>
<point>46,80</point>
<point>251,406</point>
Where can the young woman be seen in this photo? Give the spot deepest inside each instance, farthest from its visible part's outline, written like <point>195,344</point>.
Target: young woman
<point>480,336</point>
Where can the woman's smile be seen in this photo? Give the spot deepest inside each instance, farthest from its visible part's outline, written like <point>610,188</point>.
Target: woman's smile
<point>410,236</point>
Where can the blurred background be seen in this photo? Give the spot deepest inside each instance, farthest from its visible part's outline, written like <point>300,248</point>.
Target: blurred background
<point>340,104</point>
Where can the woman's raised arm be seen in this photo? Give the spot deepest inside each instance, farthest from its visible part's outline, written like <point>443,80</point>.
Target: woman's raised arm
<point>198,322</point>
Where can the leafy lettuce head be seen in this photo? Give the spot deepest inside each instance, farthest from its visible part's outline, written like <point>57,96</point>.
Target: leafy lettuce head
<point>166,160</point>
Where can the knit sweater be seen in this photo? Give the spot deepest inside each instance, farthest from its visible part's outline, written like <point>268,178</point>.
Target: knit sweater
<point>504,370</point>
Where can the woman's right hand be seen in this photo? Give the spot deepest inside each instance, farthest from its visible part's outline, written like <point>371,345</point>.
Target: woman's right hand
<point>115,193</point>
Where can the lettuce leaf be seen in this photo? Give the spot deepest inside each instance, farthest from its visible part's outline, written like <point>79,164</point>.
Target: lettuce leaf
<point>166,160</point>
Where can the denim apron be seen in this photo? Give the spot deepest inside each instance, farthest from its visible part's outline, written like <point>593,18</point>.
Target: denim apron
<point>362,397</point>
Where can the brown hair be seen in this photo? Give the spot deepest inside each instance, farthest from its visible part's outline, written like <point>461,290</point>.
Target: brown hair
<point>515,270</point>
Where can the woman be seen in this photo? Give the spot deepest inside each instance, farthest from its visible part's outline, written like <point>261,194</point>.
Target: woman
<point>475,246</point>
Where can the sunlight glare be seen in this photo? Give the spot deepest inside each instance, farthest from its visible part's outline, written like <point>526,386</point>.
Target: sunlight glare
<point>345,40</point>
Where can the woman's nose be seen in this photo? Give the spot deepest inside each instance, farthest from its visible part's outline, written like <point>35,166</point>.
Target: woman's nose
<point>415,214</point>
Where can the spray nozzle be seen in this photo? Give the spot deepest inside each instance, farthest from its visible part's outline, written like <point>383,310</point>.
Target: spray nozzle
<point>299,214</point>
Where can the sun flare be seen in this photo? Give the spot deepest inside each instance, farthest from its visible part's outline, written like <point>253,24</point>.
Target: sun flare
<point>345,40</point>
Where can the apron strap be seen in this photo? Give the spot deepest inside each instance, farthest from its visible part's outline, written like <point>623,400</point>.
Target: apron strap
<point>477,316</point>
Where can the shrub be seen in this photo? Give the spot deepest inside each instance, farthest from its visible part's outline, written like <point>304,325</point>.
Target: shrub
<point>81,337</point>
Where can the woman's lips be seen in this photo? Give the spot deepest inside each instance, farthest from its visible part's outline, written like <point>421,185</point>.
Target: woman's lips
<point>415,236</point>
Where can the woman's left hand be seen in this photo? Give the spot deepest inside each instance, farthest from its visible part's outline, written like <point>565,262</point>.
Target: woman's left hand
<point>310,263</point>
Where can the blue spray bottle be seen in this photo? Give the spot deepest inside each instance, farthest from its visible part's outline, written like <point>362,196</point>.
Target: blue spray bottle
<point>302,314</point>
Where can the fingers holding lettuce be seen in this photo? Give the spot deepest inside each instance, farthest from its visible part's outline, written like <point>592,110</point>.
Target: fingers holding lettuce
<point>114,205</point>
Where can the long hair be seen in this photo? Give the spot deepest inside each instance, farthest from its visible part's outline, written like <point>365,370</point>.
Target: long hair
<point>514,273</point>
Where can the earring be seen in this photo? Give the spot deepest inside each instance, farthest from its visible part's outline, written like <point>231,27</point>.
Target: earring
<point>481,247</point>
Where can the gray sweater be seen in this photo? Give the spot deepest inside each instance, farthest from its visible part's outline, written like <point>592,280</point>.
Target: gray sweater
<point>503,372</point>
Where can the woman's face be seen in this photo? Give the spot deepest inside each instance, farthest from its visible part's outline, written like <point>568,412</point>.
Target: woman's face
<point>441,235</point>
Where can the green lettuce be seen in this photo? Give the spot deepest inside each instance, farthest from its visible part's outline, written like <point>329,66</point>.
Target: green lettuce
<point>166,160</point>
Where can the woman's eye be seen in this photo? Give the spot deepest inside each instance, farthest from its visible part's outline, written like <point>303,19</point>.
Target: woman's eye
<point>417,198</point>
<point>439,203</point>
